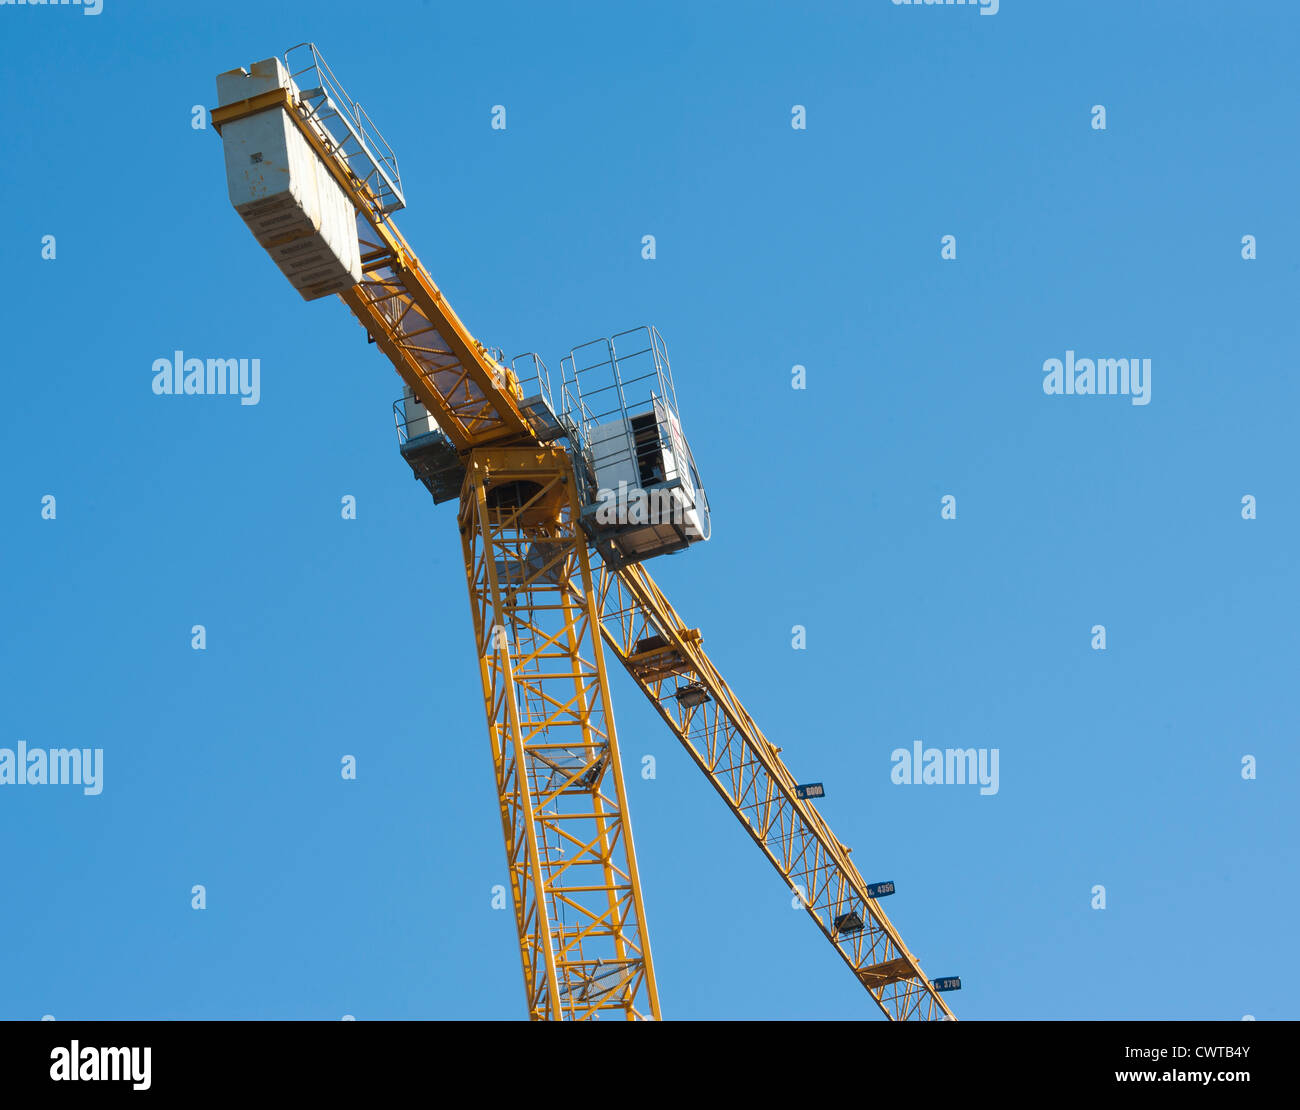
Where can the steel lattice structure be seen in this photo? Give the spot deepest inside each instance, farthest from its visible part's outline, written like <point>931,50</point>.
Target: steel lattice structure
<point>667,658</point>
<point>555,757</point>
<point>545,611</point>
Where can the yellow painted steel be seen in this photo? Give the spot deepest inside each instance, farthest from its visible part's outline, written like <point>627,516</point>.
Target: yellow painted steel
<point>663,655</point>
<point>539,621</point>
<point>404,312</point>
<point>555,756</point>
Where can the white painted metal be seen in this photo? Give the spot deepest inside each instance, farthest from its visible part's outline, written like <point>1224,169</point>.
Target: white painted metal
<point>419,422</point>
<point>659,513</point>
<point>284,192</point>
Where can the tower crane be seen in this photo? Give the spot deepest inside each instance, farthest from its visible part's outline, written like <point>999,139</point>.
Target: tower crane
<point>559,508</point>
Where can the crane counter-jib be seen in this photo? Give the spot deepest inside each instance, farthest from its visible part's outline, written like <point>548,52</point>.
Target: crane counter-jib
<point>553,538</point>
<point>300,173</point>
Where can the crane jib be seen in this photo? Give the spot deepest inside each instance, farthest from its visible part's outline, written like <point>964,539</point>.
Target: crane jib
<point>559,508</point>
<point>268,136</point>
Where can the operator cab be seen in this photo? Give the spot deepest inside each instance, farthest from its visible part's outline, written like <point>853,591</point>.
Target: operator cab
<point>641,491</point>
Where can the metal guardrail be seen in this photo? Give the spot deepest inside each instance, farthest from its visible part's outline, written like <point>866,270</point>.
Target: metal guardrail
<point>531,379</point>
<point>623,379</point>
<point>346,128</point>
<point>600,381</point>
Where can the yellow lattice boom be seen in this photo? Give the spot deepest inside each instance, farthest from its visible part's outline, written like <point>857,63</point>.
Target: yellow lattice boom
<point>546,607</point>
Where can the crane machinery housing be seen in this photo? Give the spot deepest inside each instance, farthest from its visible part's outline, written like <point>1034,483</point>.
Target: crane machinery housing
<point>559,507</point>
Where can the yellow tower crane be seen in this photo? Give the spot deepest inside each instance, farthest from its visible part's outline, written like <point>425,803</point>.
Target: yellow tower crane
<point>553,564</point>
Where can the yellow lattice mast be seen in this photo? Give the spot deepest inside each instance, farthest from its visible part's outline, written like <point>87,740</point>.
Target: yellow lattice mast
<point>555,754</point>
<point>558,511</point>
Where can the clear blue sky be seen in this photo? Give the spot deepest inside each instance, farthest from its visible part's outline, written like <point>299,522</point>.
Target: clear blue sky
<point>775,247</point>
